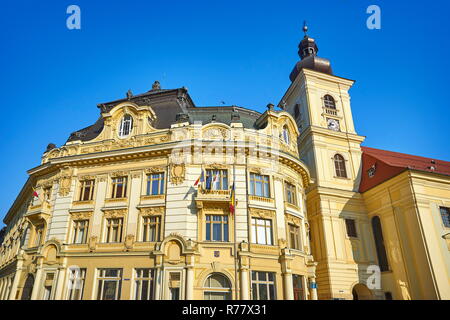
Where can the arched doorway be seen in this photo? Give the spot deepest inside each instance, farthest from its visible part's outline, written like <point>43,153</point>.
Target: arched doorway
<point>217,287</point>
<point>361,292</point>
<point>28,288</point>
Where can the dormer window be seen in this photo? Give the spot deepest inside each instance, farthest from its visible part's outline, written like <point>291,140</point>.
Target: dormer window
<point>286,134</point>
<point>328,102</point>
<point>126,124</point>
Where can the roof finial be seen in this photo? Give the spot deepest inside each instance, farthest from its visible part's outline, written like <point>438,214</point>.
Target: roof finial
<point>305,28</point>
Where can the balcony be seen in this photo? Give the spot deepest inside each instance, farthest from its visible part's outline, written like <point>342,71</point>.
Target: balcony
<point>39,212</point>
<point>207,195</point>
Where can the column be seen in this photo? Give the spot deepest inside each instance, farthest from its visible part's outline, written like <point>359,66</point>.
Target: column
<point>1,288</point>
<point>189,283</point>
<point>158,279</point>
<point>288,286</point>
<point>37,284</point>
<point>312,288</point>
<point>60,284</point>
<point>244,284</point>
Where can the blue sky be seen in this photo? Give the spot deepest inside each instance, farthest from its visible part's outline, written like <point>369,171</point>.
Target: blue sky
<point>240,52</point>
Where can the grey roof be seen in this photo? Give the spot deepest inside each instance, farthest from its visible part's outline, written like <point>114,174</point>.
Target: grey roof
<point>167,104</point>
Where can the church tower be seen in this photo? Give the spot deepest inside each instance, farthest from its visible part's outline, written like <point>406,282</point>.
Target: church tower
<point>340,235</point>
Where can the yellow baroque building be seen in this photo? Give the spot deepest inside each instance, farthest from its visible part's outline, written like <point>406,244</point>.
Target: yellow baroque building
<point>163,199</point>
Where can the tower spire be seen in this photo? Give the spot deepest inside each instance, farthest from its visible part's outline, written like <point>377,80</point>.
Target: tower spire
<point>305,28</point>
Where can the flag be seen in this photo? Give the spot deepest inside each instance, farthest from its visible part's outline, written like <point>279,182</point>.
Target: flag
<point>200,179</point>
<point>232,200</point>
<point>35,194</point>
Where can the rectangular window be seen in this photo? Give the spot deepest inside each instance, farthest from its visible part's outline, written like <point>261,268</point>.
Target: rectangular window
<point>47,193</point>
<point>80,231</point>
<point>144,284</point>
<point>174,285</point>
<point>109,284</point>
<point>294,237</point>
<point>76,283</point>
<point>351,228</point>
<point>290,193</point>
<point>216,179</point>
<point>87,190</point>
<point>39,232</point>
<point>299,293</point>
<point>445,214</point>
<point>114,228</point>
<point>119,187</point>
<point>155,184</point>
<point>151,228</point>
<point>216,228</point>
<point>263,285</point>
<point>262,231</point>
<point>259,185</point>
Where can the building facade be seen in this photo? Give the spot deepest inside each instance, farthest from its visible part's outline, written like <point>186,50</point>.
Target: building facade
<point>163,199</point>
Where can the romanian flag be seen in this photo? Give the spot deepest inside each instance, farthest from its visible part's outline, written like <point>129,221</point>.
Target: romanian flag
<point>200,179</point>
<point>35,194</point>
<point>232,199</point>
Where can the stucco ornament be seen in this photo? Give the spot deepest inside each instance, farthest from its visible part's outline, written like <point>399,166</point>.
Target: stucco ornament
<point>177,173</point>
<point>65,181</point>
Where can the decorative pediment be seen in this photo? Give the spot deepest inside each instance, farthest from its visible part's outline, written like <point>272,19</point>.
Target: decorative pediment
<point>118,174</point>
<point>81,215</point>
<point>216,133</point>
<point>262,213</point>
<point>86,177</point>
<point>114,213</point>
<point>154,170</point>
<point>293,219</point>
<point>151,211</point>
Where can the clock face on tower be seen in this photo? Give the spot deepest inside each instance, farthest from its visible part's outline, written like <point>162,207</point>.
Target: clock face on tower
<point>333,124</point>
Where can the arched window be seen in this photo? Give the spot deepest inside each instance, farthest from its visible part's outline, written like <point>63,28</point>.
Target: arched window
<point>379,244</point>
<point>329,102</point>
<point>217,287</point>
<point>286,134</point>
<point>126,124</point>
<point>339,165</point>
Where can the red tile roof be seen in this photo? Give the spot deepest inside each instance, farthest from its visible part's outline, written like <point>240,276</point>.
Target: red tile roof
<point>388,164</point>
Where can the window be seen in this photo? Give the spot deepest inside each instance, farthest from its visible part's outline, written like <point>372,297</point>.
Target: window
<point>216,228</point>
<point>262,231</point>
<point>216,179</point>
<point>290,193</point>
<point>47,193</point>
<point>339,165</point>
<point>155,184</point>
<point>328,102</point>
<point>144,284</point>
<point>351,228</point>
<point>388,296</point>
<point>125,126</point>
<point>294,236</point>
<point>217,287</point>
<point>151,228</point>
<point>87,190</point>
<point>80,231</point>
<point>286,134</point>
<point>297,281</point>
<point>76,283</point>
<point>39,232</point>
<point>114,229</point>
<point>48,286</point>
<point>174,285</point>
<point>259,185</point>
<point>263,285</point>
<point>445,214</point>
<point>119,187</point>
<point>379,244</point>
<point>109,284</point>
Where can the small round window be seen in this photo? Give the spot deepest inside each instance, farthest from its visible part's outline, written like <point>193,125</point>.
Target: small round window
<point>126,125</point>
